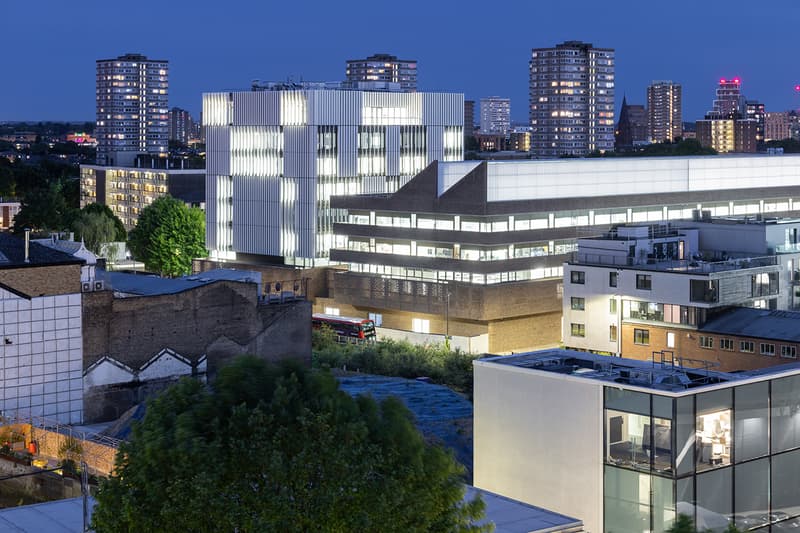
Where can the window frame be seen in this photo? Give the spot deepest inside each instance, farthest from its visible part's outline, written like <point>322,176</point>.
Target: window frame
<point>644,282</point>
<point>576,329</point>
<point>767,352</point>
<point>750,344</point>
<point>641,337</point>
<point>577,277</point>
<point>577,303</point>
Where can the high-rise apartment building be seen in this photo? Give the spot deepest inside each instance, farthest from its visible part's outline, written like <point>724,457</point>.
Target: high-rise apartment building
<point>384,68</point>
<point>664,114</point>
<point>571,99</point>
<point>730,103</point>
<point>754,110</point>
<point>495,114</point>
<point>276,155</point>
<point>132,108</point>
<point>182,126</point>
<point>776,126</point>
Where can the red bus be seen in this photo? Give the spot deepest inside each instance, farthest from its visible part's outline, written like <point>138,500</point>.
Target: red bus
<point>346,327</point>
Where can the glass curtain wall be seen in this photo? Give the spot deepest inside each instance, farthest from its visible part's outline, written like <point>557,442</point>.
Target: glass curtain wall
<point>724,457</point>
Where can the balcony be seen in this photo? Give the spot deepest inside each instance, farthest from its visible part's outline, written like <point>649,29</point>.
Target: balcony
<point>687,266</point>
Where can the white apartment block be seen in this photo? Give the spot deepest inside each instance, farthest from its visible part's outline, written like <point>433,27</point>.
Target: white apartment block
<point>495,115</point>
<point>277,154</point>
<point>675,276</point>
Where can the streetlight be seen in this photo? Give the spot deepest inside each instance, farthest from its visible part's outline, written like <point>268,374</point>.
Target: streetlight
<point>447,317</point>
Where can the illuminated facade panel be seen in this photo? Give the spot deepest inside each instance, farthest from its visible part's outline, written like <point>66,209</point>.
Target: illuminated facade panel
<point>287,150</point>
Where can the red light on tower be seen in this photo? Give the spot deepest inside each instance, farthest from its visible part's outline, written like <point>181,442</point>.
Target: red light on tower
<point>797,87</point>
<point>737,81</point>
<point>722,80</point>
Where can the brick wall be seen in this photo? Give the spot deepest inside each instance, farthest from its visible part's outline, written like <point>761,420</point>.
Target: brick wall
<point>218,320</point>
<point>525,333</point>
<point>43,280</point>
<point>687,344</point>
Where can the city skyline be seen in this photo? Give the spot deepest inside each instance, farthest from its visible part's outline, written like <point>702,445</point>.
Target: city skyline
<point>270,43</point>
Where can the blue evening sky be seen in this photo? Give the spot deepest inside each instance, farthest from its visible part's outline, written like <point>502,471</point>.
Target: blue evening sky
<point>478,48</point>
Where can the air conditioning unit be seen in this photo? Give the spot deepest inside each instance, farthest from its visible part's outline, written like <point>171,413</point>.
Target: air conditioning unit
<point>98,285</point>
<point>86,287</point>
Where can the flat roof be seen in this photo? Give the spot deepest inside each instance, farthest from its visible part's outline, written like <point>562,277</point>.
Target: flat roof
<point>152,285</point>
<point>513,516</point>
<point>667,376</point>
<point>758,323</point>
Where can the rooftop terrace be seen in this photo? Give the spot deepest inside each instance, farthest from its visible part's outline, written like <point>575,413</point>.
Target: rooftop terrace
<point>664,373</point>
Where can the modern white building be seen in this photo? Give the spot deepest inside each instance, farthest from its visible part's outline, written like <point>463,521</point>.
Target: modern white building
<point>571,99</point>
<point>41,344</point>
<point>495,115</point>
<point>627,445</point>
<point>275,156</point>
<point>132,108</point>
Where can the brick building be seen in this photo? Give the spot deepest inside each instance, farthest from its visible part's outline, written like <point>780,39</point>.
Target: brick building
<point>145,332</point>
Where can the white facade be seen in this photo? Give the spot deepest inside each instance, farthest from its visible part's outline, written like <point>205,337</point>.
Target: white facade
<point>614,280</point>
<point>42,357</point>
<point>541,444</point>
<point>533,180</point>
<point>275,157</point>
<point>495,115</point>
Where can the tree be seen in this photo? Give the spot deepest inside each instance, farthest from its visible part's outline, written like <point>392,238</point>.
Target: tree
<point>120,235</point>
<point>168,236</point>
<point>280,448</point>
<point>94,229</point>
<point>45,209</point>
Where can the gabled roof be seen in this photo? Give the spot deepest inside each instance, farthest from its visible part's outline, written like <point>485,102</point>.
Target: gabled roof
<point>12,252</point>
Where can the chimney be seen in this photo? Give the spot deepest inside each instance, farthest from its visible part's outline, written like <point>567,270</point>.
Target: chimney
<point>27,244</point>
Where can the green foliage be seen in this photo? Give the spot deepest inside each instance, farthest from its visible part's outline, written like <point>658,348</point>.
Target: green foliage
<point>683,147</point>
<point>168,236</point>
<point>280,448</point>
<point>95,229</point>
<point>120,235</point>
<point>397,358</point>
<point>45,209</point>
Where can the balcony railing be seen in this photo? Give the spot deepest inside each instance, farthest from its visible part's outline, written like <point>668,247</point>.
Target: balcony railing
<point>693,266</point>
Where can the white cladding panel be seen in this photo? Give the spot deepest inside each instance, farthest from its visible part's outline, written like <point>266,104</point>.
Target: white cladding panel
<point>537,437</point>
<point>218,144</point>
<point>328,107</point>
<point>300,151</point>
<point>451,173</point>
<point>530,180</point>
<point>392,150</point>
<point>348,151</point>
<point>435,143</point>
<point>256,215</point>
<point>256,108</point>
<point>444,109</point>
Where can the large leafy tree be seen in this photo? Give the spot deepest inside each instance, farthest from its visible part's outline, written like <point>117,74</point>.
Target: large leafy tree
<point>168,236</point>
<point>280,448</point>
<point>120,235</point>
<point>95,229</point>
<point>45,209</point>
